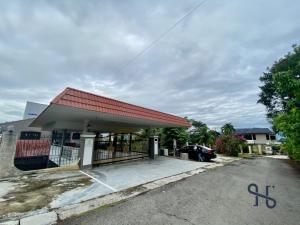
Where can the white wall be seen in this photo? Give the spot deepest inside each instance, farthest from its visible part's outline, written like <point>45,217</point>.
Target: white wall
<point>32,110</point>
<point>261,138</point>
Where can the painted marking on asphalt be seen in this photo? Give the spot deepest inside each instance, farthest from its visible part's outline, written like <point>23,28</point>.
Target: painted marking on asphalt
<point>100,182</point>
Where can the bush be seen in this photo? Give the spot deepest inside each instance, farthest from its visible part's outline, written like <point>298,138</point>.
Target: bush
<point>276,148</point>
<point>230,144</point>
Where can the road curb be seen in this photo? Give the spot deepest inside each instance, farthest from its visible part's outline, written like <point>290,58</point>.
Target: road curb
<point>40,219</point>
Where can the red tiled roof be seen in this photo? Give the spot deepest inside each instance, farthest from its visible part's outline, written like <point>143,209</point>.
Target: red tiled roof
<point>84,100</point>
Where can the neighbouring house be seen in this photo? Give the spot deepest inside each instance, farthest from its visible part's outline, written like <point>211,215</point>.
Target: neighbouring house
<point>33,144</point>
<point>22,128</point>
<point>33,109</point>
<point>259,140</point>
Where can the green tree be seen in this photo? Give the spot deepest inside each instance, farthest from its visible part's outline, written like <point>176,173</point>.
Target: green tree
<point>289,124</point>
<point>280,93</point>
<point>229,143</point>
<point>213,135</point>
<point>227,129</point>
<point>199,133</point>
<point>279,87</point>
<point>179,133</point>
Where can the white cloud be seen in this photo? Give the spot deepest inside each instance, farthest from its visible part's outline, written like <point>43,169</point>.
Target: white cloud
<point>207,68</point>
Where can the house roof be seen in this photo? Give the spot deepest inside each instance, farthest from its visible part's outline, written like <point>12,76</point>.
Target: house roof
<point>84,100</point>
<point>75,106</point>
<point>254,131</point>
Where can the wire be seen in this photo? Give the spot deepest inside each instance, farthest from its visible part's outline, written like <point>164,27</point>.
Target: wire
<point>154,42</point>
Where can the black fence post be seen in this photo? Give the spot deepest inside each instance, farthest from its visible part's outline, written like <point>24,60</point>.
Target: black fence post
<point>130,140</point>
<point>122,142</point>
<point>62,146</point>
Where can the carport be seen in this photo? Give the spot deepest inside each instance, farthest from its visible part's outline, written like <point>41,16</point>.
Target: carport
<point>108,127</point>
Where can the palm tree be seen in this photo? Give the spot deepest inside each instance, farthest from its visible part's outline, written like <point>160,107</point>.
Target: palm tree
<point>200,134</point>
<point>227,129</point>
<point>213,135</point>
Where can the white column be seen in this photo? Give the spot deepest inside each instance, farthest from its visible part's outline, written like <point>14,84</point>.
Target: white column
<point>7,154</point>
<point>174,146</point>
<point>259,149</point>
<point>250,149</point>
<point>153,146</point>
<point>86,150</point>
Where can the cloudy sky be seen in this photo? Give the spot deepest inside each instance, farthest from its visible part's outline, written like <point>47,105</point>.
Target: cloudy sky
<point>207,68</point>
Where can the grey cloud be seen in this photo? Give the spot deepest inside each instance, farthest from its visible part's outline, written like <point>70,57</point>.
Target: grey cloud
<point>207,68</point>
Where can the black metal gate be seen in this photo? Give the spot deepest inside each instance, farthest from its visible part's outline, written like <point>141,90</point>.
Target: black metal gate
<point>118,147</point>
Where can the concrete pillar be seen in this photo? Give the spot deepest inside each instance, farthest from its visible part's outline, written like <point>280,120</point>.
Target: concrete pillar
<point>153,146</point>
<point>174,147</point>
<point>259,150</point>
<point>250,149</point>
<point>7,154</point>
<point>166,152</point>
<point>86,150</point>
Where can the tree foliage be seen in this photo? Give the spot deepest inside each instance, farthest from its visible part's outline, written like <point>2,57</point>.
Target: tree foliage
<point>289,124</point>
<point>227,129</point>
<point>201,134</point>
<point>281,84</point>
<point>179,133</point>
<point>280,93</point>
<point>229,143</point>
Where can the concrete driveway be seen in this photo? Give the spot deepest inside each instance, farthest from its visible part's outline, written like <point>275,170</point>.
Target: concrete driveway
<point>43,192</point>
<point>116,177</point>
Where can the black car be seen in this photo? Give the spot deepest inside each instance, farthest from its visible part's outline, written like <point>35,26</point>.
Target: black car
<point>198,152</point>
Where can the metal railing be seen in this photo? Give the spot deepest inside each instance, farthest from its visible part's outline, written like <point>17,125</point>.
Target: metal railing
<point>106,150</point>
<point>63,155</point>
<point>41,154</point>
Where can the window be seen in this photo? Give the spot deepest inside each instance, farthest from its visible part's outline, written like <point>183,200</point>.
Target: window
<point>199,148</point>
<point>192,148</point>
<point>254,136</point>
<point>273,137</point>
<point>267,137</point>
<point>30,135</point>
<point>75,136</point>
<point>248,136</point>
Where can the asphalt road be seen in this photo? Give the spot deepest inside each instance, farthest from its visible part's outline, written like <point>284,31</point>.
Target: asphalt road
<point>218,196</point>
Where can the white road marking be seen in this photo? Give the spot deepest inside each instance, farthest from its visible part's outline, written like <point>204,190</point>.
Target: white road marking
<point>100,182</point>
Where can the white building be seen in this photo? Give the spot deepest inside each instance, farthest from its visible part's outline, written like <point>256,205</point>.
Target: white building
<point>33,109</point>
<point>259,140</point>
